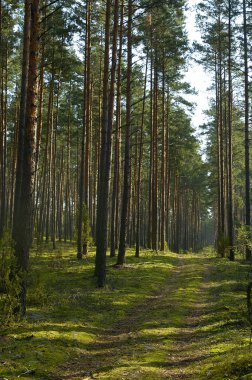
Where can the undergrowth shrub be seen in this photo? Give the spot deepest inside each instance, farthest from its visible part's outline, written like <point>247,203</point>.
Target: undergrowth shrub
<point>10,280</point>
<point>13,281</point>
<point>87,240</point>
<point>243,240</point>
<point>249,307</point>
<point>5,257</point>
<point>223,245</point>
<point>37,294</point>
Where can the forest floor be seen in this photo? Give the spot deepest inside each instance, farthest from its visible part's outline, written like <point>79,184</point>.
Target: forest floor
<point>162,316</point>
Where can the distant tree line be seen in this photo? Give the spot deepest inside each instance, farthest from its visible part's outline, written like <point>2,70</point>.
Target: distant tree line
<point>226,53</point>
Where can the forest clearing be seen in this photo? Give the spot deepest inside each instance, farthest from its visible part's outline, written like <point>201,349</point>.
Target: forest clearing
<point>163,316</point>
<point>125,189</point>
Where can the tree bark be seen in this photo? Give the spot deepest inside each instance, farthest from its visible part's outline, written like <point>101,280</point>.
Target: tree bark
<point>104,167</point>
<point>22,232</point>
<point>126,181</point>
<point>246,130</point>
<point>230,143</point>
<point>139,174</point>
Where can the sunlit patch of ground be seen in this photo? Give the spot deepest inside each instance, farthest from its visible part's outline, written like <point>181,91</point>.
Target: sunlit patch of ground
<point>163,316</point>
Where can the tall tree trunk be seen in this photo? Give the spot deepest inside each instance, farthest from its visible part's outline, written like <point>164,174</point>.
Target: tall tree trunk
<point>219,127</point>
<point>126,181</point>
<point>60,195</point>
<point>230,142</point>
<point>162,222</point>
<point>118,116</point>
<point>2,117</point>
<point>39,132</point>
<point>46,166</point>
<point>22,232</point>
<point>149,233</point>
<point>167,168</point>
<point>88,104</point>
<point>246,129</point>
<point>13,166</point>
<point>139,174</point>
<point>154,158</point>
<point>53,189</point>
<point>104,167</point>
<point>3,134</point>
<point>21,130</point>
<point>82,174</point>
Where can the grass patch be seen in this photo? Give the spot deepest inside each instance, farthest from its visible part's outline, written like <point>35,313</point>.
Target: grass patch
<point>223,326</point>
<point>162,316</point>
<point>66,311</point>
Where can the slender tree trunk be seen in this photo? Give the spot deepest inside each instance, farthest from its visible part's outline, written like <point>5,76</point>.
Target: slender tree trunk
<point>167,168</point>
<point>126,182</point>
<point>98,139</point>
<point>46,165</point>
<point>60,195</point>
<point>217,118</point>
<point>219,121</point>
<point>110,119</point>
<point>104,168</point>
<point>68,192</point>
<point>2,117</point>
<point>39,134</point>
<point>13,168</point>
<point>230,144</point>
<point>88,104</point>
<point>82,173</point>
<point>139,174</point>
<point>3,134</point>
<point>149,233</point>
<point>154,159</point>
<point>246,130</point>
<point>162,229</point>
<point>53,190</point>
<point>49,163</point>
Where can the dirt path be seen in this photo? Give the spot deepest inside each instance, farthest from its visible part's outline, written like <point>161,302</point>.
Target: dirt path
<point>159,338</point>
<point>189,348</point>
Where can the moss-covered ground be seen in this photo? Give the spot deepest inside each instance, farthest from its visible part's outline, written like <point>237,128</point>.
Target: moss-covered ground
<point>162,316</point>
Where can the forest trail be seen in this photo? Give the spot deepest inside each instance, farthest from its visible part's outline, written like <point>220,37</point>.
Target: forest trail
<point>162,316</point>
<point>163,337</point>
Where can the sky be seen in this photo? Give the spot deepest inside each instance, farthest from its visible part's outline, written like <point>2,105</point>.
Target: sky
<point>196,76</point>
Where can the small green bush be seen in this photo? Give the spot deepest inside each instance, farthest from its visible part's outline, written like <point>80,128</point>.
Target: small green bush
<point>87,240</point>
<point>223,245</point>
<point>6,251</point>
<point>243,239</point>
<point>11,280</point>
